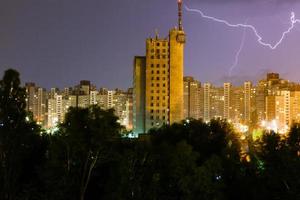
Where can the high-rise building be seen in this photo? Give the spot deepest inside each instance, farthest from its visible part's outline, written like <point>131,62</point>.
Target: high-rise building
<point>41,106</point>
<point>191,95</point>
<point>227,100</point>
<point>83,101</point>
<point>67,92</point>
<point>57,108</point>
<point>207,101</point>
<point>53,92</point>
<point>93,97</point>
<point>31,97</point>
<point>216,102</point>
<point>129,108</point>
<point>270,107</point>
<point>295,106</point>
<point>85,87</point>
<point>139,94</point>
<point>278,109</point>
<point>237,104</point>
<point>247,102</point>
<point>36,102</point>
<point>158,80</point>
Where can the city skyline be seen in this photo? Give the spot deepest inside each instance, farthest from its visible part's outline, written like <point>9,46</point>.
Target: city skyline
<point>271,104</point>
<point>60,47</point>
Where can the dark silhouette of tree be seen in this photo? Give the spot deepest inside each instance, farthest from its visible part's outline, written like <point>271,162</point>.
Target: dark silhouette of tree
<point>83,141</point>
<point>293,140</point>
<point>21,146</point>
<point>182,161</point>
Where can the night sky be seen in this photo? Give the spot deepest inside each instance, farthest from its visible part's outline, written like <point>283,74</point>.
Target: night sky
<point>57,43</point>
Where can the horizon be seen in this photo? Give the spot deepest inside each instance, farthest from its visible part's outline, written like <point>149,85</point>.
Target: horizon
<point>237,84</point>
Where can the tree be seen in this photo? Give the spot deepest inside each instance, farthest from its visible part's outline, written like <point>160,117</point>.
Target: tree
<point>21,147</point>
<point>293,140</point>
<point>85,140</point>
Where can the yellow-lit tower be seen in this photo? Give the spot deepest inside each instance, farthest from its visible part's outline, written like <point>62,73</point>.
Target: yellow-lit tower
<point>158,80</point>
<point>177,41</point>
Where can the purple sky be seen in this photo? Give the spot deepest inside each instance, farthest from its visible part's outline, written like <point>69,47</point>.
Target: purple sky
<point>57,43</point>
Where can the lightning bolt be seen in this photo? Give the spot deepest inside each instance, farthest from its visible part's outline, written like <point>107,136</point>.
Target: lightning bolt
<point>260,40</point>
<point>236,61</point>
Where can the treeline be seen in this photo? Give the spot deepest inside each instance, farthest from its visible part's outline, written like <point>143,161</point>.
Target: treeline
<point>88,158</point>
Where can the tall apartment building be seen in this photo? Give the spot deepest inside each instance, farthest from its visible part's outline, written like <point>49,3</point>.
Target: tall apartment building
<point>237,104</point>
<point>57,108</point>
<point>129,108</point>
<point>93,97</point>
<point>31,97</point>
<point>227,101</point>
<point>217,102</point>
<point>295,106</point>
<point>191,95</point>
<point>158,80</point>
<point>85,87</point>
<point>247,102</point>
<point>40,116</point>
<point>36,102</point>
<point>265,89</point>
<point>279,109</point>
<point>207,101</point>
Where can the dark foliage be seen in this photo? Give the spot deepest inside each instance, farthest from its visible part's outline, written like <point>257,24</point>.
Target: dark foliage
<point>22,146</point>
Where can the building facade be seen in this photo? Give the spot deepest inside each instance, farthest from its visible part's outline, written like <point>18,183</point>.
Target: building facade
<point>158,81</point>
